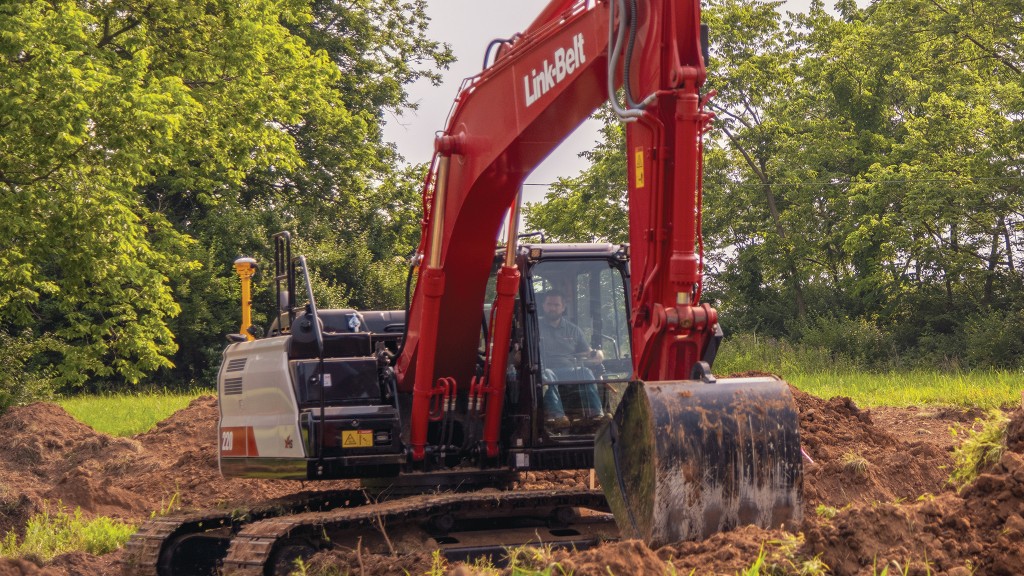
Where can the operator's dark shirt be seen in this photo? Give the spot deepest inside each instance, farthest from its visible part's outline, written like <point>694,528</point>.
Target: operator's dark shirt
<point>559,343</point>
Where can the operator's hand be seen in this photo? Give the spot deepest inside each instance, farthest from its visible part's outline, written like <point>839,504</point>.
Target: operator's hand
<point>590,357</point>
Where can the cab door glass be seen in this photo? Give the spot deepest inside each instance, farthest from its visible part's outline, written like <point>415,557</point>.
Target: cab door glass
<point>584,345</point>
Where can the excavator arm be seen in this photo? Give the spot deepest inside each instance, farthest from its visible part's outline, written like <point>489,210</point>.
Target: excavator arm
<point>733,453</point>
<point>506,121</point>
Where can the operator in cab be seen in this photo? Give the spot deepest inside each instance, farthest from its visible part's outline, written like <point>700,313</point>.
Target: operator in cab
<point>565,356</point>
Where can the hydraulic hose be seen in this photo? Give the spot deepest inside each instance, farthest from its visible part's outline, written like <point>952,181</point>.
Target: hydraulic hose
<point>615,37</point>
<point>627,63</point>
<point>492,44</point>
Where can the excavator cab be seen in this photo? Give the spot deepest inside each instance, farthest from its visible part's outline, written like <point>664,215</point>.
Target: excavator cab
<point>576,311</point>
<point>570,358</point>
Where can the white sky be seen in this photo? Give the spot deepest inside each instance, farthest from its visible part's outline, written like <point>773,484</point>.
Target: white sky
<point>468,26</point>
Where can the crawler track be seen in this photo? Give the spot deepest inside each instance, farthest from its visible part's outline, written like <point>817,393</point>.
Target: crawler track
<point>195,543</point>
<point>459,524</point>
<point>267,539</point>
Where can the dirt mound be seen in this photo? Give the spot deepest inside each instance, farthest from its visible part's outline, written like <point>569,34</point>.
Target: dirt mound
<point>854,460</point>
<point>356,562</point>
<point>726,554</point>
<point>51,459</point>
<point>82,564</point>
<point>979,531</point>
<point>1015,434</point>
<point>9,567</point>
<point>75,564</point>
<point>873,465</point>
<point>628,557</point>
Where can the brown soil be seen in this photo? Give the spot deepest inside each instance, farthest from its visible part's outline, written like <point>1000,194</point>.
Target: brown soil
<point>880,473</point>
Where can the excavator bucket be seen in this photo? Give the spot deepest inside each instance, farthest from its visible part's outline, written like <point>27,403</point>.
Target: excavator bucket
<point>684,460</point>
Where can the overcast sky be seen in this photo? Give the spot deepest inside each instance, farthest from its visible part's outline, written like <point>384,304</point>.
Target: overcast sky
<point>468,26</point>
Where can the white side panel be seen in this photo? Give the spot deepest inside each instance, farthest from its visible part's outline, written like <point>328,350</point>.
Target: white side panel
<point>258,410</point>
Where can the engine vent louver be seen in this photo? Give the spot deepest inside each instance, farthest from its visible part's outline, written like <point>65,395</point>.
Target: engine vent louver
<point>237,365</point>
<point>232,386</point>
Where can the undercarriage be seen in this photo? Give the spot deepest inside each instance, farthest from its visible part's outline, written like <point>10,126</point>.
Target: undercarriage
<point>268,539</point>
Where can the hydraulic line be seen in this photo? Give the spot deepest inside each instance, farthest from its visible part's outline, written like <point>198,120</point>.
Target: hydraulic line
<point>492,44</point>
<point>627,63</point>
<point>615,36</point>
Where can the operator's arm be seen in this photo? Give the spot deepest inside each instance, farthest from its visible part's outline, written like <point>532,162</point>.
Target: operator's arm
<point>583,350</point>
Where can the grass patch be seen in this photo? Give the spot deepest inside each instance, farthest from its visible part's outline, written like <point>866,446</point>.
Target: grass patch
<point>533,561</point>
<point>981,449</point>
<point>825,374</point>
<point>781,557</point>
<point>826,512</point>
<point>982,389</point>
<point>523,560</point>
<point>855,464</point>
<point>775,557</point>
<point>51,534</point>
<point>127,414</point>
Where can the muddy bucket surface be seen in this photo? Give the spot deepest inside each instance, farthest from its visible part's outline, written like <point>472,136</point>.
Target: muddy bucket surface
<point>685,460</point>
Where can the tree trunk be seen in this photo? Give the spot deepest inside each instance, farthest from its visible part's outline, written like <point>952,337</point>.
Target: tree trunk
<point>993,261</point>
<point>759,169</point>
<point>798,290</point>
<point>954,245</point>
<point>1009,250</point>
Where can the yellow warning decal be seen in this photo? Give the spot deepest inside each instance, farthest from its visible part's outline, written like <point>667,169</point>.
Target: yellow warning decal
<point>357,438</point>
<point>639,163</point>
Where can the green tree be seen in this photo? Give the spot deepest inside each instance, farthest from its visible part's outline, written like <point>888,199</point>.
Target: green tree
<point>864,166</point>
<point>352,206</point>
<point>145,145</point>
<point>932,244</point>
<point>592,206</point>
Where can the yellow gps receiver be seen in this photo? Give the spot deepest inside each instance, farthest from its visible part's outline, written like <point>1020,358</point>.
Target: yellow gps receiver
<point>246,267</point>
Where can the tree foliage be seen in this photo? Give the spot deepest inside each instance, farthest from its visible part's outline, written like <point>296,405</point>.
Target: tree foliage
<point>146,145</point>
<point>595,199</point>
<point>864,173</point>
<point>863,179</point>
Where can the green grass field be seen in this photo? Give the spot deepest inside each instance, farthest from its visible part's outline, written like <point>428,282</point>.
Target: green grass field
<point>127,414</point>
<point>819,372</point>
<point>982,389</point>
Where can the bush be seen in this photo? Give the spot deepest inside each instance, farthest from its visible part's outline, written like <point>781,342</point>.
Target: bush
<point>753,353</point>
<point>24,372</point>
<point>48,535</point>
<point>938,350</point>
<point>995,339</point>
<point>853,340</point>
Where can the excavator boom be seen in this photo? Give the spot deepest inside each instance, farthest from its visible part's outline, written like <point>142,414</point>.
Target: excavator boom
<point>543,84</point>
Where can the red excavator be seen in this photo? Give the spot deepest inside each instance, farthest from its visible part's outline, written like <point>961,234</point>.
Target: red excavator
<point>512,356</point>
